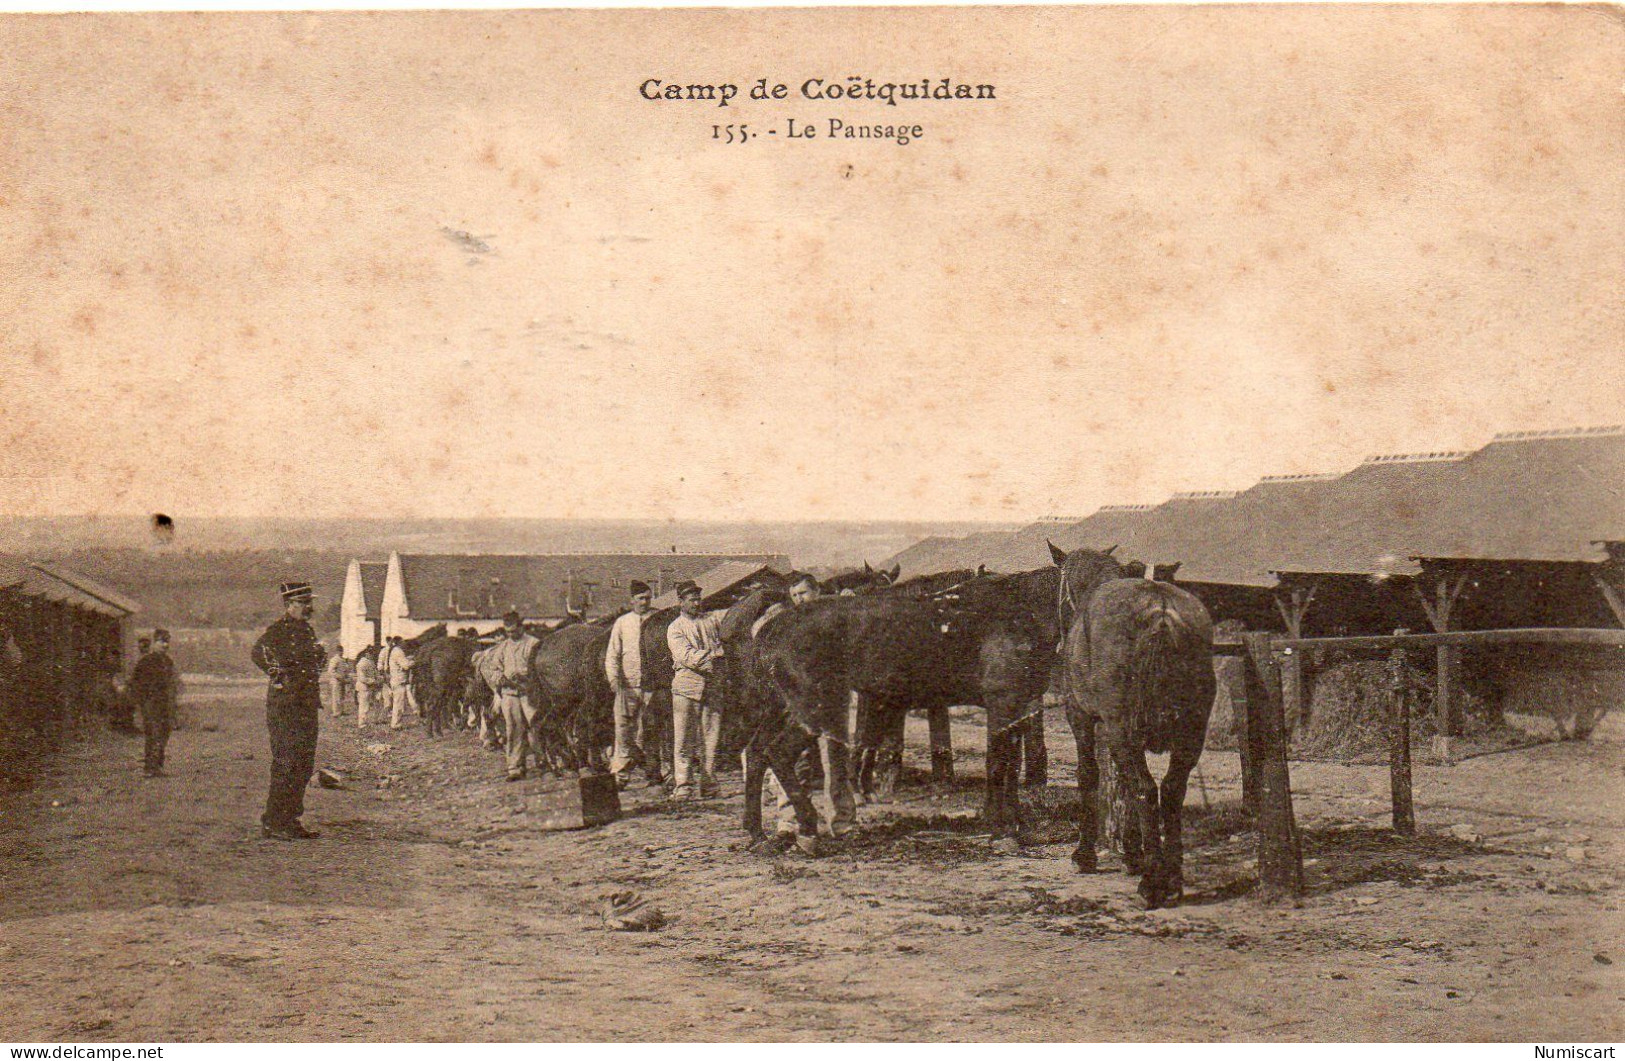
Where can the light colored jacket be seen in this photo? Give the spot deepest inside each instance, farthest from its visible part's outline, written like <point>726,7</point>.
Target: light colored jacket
<point>510,660</point>
<point>366,670</point>
<point>399,664</point>
<point>489,667</point>
<point>623,660</point>
<point>695,644</point>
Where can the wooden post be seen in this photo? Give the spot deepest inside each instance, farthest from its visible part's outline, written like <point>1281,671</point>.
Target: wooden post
<point>1399,745</point>
<point>1444,681</point>
<point>1280,856</point>
<point>1232,675</point>
<point>1611,581</point>
<point>1446,591</point>
<point>1292,613</point>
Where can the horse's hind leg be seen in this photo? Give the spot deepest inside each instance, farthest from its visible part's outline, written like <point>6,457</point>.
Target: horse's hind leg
<point>1180,764</point>
<point>782,755</point>
<point>1002,806</point>
<point>753,760</point>
<point>1083,734</point>
<point>889,756</point>
<point>942,745</point>
<point>1141,788</point>
<point>1034,752</point>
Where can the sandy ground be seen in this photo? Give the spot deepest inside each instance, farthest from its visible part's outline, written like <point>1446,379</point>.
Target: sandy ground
<point>430,909</point>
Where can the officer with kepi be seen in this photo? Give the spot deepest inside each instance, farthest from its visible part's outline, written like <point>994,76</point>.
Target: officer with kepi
<point>291,656</point>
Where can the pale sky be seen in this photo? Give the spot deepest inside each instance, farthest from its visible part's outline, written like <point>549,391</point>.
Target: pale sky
<point>1183,248</point>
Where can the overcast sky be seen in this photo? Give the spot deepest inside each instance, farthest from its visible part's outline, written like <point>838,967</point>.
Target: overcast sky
<point>453,264</point>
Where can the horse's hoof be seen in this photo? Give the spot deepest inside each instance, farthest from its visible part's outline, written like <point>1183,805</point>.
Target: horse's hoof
<point>811,846</point>
<point>772,846</point>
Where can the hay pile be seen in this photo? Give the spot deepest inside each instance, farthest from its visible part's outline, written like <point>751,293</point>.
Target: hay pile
<point>1348,714</point>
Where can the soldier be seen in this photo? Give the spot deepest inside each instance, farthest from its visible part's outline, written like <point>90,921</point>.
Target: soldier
<point>696,645</point>
<point>153,687</point>
<point>367,681</point>
<point>123,719</point>
<point>509,662</point>
<point>292,658</point>
<point>623,664</point>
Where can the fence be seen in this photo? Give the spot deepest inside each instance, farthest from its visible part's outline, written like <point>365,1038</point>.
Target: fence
<point>1266,778</point>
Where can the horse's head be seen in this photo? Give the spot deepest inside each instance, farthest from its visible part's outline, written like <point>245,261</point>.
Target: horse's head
<point>861,580</point>
<point>1082,572</point>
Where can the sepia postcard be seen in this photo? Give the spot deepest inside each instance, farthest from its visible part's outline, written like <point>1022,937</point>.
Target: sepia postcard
<point>877,524</point>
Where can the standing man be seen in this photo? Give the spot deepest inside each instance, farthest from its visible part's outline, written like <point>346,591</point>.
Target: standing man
<point>335,681</point>
<point>292,658</point>
<point>623,662</point>
<point>124,706</point>
<point>696,644</point>
<point>509,663</point>
<point>344,679</point>
<point>488,664</point>
<point>366,685</point>
<point>153,687</point>
<point>398,671</point>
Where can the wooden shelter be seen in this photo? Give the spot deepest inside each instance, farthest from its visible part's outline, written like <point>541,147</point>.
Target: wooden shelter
<point>70,637</point>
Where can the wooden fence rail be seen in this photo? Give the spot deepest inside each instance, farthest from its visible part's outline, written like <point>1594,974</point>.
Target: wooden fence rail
<point>1266,780</point>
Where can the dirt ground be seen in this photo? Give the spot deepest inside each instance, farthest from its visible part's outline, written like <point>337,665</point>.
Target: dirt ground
<point>430,909</point>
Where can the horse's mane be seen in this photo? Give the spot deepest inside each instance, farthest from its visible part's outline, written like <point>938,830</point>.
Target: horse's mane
<point>434,633</point>
<point>744,613</point>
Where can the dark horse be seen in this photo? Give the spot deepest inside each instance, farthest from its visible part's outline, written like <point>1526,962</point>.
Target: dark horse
<point>656,651</point>
<point>575,704</point>
<point>878,736</point>
<point>791,683</point>
<point>989,640</point>
<point>439,675</point>
<point>1139,665</point>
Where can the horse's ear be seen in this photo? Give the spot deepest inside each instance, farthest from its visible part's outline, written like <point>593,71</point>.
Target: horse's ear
<point>867,569</point>
<point>1055,553</point>
<point>1112,550</point>
<point>896,570</point>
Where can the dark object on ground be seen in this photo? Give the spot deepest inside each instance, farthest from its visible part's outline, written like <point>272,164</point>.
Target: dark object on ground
<point>578,803</point>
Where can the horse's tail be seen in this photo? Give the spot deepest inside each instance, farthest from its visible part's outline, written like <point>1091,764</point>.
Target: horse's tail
<point>1160,669</point>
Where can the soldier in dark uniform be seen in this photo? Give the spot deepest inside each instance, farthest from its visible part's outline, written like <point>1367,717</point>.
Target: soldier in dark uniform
<point>292,658</point>
<point>153,688</point>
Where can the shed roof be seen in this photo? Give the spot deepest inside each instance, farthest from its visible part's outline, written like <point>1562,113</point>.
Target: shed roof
<point>53,583</point>
<point>484,586</point>
<point>85,583</point>
<point>719,579</point>
<point>1525,496</point>
<point>924,556</point>
<point>1530,495</point>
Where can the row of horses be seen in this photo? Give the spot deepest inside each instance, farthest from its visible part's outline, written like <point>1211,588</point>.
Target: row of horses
<point>1131,659</point>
